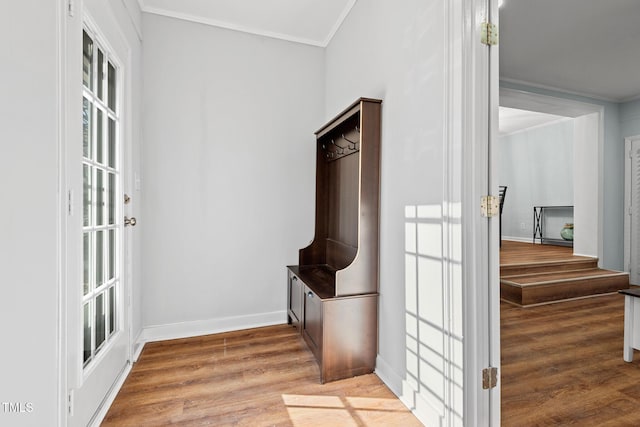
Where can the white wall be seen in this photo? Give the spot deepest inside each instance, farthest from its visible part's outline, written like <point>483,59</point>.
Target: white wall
<point>585,161</point>
<point>229,172</point>
<point>536,165</point>
<point>630,119</point>
<point>394,51</point>
<point>29,214</point>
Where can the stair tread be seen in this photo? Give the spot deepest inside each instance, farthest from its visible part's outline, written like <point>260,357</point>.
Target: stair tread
<point>562,261</point>
<point>547,266</point>
<point>560,276</point>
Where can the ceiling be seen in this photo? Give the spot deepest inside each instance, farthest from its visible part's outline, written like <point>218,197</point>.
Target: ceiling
<point>513,120</point>
<point>312,22</point>
<point>585,47</point>
<point>589,47</point>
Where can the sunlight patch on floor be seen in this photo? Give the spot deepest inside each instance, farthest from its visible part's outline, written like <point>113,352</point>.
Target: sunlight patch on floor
<point>305,410</point>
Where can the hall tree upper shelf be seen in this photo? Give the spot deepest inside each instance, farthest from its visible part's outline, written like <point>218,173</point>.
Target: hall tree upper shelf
<point>333,291</point>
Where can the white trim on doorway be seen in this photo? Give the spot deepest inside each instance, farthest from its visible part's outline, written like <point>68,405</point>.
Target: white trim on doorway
<point>628,188</point>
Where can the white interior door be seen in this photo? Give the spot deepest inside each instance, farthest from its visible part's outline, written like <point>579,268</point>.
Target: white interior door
<point>98,320</point>
<point>632,219</point>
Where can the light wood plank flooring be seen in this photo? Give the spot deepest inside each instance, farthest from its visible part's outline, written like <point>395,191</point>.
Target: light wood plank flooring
<point>562,365</point>
<point>526,253</point>
<point>257,377</point>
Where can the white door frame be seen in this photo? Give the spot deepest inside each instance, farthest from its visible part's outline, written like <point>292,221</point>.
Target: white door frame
<point>476,78</point>
<point>627,203</point>
<point>70,178</point>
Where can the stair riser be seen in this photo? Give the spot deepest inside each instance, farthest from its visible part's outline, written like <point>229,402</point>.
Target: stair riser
<point>537,294</point>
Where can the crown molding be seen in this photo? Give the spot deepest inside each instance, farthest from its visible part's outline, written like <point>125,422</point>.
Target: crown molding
<point>338,23</point>
<point>560,90</point>
<point>251,30</point>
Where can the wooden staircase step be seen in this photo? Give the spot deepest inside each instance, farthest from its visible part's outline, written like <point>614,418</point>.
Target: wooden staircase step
<point>539,288</point>
<point>537,279</point>
<point>544,266</point>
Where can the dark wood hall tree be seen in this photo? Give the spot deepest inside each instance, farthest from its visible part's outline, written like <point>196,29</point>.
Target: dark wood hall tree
<point>333,291</point>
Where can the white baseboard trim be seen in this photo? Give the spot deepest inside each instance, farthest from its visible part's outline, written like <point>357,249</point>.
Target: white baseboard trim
<point>426,412</point>
<point>210,326</point>
<point>388,376</point>
<point>586,256</point>
<point>520,239</point>
<point>110,397</point>
<point>138,346</point>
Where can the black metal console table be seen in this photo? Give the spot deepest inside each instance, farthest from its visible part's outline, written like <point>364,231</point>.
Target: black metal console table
<point>538,226</point>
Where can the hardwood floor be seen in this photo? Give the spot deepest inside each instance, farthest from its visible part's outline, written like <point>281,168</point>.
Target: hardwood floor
<point>526,253</point>
<point>257,377</point>
<point>562,365</point>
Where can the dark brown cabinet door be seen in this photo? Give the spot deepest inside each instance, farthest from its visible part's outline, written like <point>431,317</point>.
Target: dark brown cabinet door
<point>313,321</point>
<point>295,299</point>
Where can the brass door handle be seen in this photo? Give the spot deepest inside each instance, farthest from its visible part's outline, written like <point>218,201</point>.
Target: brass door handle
<point>130,221</point>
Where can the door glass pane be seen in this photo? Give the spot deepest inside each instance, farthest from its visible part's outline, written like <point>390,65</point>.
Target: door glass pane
<point>99,260</point>
<point>86,195</point>
<point>112,309</point>
<point>87,332</point>
<point>87,60</point>
<point>111,203</point>
<point>86,262</point>
<point>100,205</point>
<point>99,197</point>
<point>111,141</point>
<point>87,119</point>
<point>99,137</point>
<point>100,320</point>
<point>100,72</point>
<point>111,76</point>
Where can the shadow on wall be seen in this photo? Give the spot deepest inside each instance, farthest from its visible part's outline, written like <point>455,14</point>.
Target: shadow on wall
<point>433,308</point>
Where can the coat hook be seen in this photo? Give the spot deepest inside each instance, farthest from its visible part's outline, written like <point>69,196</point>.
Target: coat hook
<point>339,148</point>
<point>350,142</point>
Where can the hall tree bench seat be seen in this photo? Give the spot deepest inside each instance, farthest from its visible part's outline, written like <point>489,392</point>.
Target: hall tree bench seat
<point>333,291</point>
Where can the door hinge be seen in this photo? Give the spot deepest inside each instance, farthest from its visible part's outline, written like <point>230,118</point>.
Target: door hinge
<point>489,206</point>
<point>489,34</point>
<point>489,378</point>
<point>70,402</point>
<point>71,9</point>
<point>70,203</point>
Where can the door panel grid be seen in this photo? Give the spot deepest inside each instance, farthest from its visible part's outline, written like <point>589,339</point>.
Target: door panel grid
<point>101,180</point>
